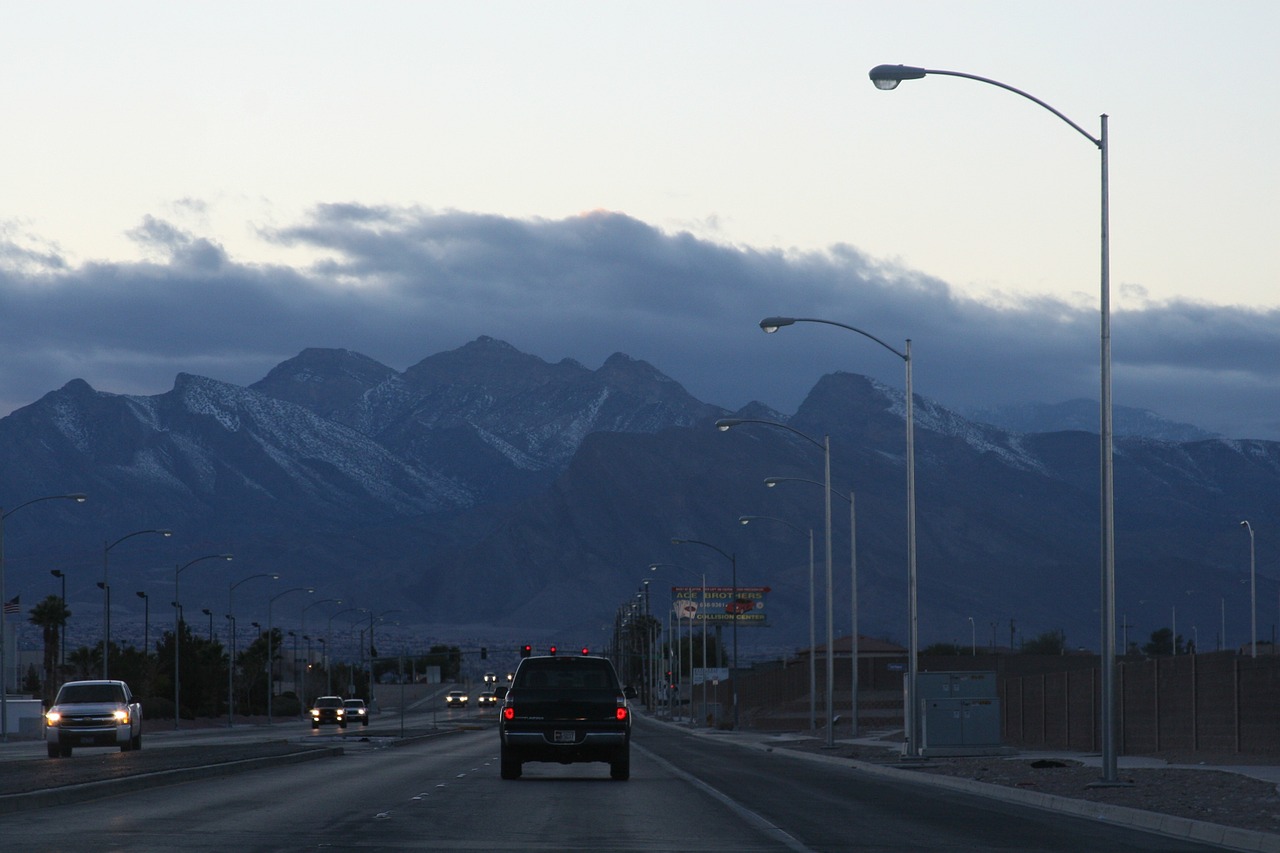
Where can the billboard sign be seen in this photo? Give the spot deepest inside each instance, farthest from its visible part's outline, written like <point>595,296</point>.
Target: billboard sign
<point>722,605</point>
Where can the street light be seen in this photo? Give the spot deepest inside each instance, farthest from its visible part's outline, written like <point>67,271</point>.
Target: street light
<point>813,647</point>
<point>106,596</point>
<point>888,77</point>
<point>653,567</point>
<point>770,482</point>
<point>177,631</point>
<point>306,672</point>
<point>231,668</point>
<point>733,562</point>
<point>656,566</point>
<point>328,634</point>
<point>4,661</point>
<point>1253,595</point>
<point>271,686</point>
<point>771,325</point>
<point>724,424</point>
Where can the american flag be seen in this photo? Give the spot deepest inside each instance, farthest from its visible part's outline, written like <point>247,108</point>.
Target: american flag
<point>12,606</point>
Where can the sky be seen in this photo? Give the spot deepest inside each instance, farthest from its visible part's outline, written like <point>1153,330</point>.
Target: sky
<point>210,188</point>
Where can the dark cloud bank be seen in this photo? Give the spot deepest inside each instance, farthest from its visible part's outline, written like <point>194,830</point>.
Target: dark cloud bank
<point>400,284</point>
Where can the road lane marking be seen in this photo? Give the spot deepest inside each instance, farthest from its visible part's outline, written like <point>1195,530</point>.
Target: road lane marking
<point>759,822</point>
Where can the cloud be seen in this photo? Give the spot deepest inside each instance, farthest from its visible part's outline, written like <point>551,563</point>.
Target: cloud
<point>399,284</point>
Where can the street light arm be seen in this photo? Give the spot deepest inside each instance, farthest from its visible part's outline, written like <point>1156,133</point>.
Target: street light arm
<point>770,482</point>
<point>78,497</point>
<point>206,557</point>
<point>747,519</point>
<point>773,324</point>
<point>164,533</point>
<point>704,544</point>
<point>887,77</point>
<point>725,424</point>
<point>272,575</point>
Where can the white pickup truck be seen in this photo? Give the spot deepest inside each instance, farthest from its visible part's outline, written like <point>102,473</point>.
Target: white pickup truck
<point>93,713</point>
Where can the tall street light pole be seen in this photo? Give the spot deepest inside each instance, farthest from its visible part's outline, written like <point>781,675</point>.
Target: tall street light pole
<point>733,563</point>
<point>146,623</point>
<point>770,482</point>
<point>888,77</point>
<point>307,670</point>
<point>825,446</point>
<point>1253,595</point>
<point>231,663</point>
<point>4,660</point>
<point>653,567</point>
<point>62,625</point>
<point>271,669</point>
<point>771,325</point>
<point>177,632</point>
<point>106,592</point>
<point>328,638</point>
<point>813,649</point>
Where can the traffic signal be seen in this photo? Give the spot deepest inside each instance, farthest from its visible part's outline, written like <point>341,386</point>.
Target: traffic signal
<point>526,650</point>
<point>484,653</point>
<point>585,650</point>
<point>553,651</point>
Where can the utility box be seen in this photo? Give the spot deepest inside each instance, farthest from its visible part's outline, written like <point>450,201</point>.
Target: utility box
<point>959,714</point>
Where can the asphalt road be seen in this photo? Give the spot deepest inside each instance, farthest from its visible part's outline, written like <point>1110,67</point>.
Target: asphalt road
<point>444,793</point>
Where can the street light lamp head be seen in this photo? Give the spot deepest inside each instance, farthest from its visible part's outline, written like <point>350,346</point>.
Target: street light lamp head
<point>888,77</point>
<point>724,424</point>
<point>678,541</point>
<point>1245,525</point>
<point>165,533</point>
<point>140,594</point>
<point>773,324</point>
<point>770,482</point>
<point>78,497</point>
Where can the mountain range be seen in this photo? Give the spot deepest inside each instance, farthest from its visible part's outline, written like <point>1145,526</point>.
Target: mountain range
<point>486,493</point>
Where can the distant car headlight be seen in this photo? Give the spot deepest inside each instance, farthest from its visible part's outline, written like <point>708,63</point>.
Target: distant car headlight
<point>315,712</point>
<point>52,718</point>
<point>121,715</point>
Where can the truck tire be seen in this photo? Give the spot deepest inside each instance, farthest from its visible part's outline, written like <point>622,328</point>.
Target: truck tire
<point>54,752</point>
<point>620,766</point>
<point>512,767</point>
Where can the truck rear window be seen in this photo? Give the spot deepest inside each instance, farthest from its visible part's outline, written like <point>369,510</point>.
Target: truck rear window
<point>575,675</point>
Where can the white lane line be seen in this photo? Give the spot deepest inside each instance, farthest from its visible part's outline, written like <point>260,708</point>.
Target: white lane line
<point>756,820</point>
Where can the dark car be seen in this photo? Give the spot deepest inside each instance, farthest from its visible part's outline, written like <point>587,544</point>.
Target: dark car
<point>355,711</point>
<point>566,709</point>
<point>329,709</point>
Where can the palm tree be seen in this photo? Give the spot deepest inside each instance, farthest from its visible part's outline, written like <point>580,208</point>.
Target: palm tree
<point>50,615</point>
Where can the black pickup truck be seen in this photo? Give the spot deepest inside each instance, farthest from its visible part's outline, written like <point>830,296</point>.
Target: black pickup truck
<point>566,709</point>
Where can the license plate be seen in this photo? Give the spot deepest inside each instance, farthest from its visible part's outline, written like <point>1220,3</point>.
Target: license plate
<point>563,736</point>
